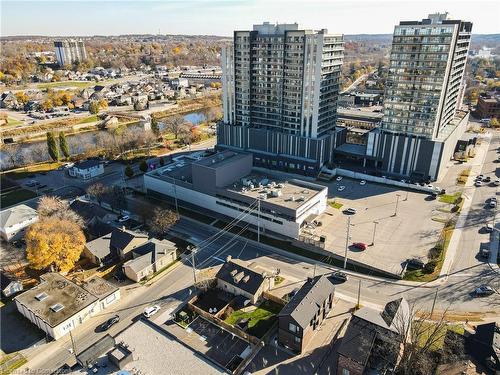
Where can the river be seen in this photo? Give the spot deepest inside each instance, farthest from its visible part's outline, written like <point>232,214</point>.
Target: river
<point>78,143</point>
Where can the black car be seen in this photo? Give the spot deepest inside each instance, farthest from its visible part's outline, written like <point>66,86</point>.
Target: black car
<point>487,179</point>
<point>484,290</point>
<point>415,263</point>
<point>110,322</point>
<point>341,276</point>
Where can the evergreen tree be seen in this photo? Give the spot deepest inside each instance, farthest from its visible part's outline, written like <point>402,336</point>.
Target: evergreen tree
<point>63,145</point>
<point>155,127</point>
<point>129,172</point>
<point>52,146</point>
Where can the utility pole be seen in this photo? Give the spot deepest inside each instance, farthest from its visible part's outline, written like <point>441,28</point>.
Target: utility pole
<point>193,252</point>
<point>434,302</point>
<point>258,220</point>
<point>406,198</point>
<point>175,198</point>
<point>374,230</point>
<point>73,346</point>
<point>359,292</point>
<point>347,241</point>
<point>397,203</point>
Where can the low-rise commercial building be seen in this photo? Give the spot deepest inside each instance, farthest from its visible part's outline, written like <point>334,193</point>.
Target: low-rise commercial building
<point>305,312</point>
<point>488,106</point>
<point>58,305</point>
<point>226,184</point>
<point>14,220</point>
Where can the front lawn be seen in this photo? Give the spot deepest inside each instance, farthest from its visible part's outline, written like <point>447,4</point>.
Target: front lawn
<point>259,320</point>
<point>87,120</point>
<point>19,173</point>
<point>429,329</point>
<point>335,204</point>
<point>450,198</point>
<point>13,197</point>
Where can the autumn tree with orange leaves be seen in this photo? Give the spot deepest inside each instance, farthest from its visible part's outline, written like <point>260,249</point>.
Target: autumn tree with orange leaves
<point>54,243</point>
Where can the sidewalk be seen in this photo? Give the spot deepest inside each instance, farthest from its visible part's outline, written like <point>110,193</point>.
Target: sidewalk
<point>476,168</point>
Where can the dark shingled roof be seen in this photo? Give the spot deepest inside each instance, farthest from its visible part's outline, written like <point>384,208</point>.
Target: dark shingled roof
<point>87,210</point>
<point>87,164</point>
<point>90,355</point>
<point>306,302</point>
<point>121,237</point>
<point>240,276</point>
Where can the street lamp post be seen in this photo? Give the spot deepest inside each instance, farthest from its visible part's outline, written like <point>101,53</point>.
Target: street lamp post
<point>374,231</point>
<point>347,241</point>
<point>397,203</point>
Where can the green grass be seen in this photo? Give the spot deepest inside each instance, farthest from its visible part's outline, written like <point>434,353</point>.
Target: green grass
<point>429,328</point>
<point>259,320</point>
<point>278,280</point>
<point>15,196</point>
<point>335,204</point>
<point>11,362</point>
<point>80,84</point>
<point>32,169</point>
<point>450,198</point>
<point>420,275</point>
<point>13,121</point>
<point>87,120</point>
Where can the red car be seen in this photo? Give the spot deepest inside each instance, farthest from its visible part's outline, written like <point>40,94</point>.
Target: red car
<point>359,245</point>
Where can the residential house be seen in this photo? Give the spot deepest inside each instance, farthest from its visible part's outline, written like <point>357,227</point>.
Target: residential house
<point>58,305</point>
<point>305,312</point>
<point>117,244</point>
<point>150,258</point>
<point>14,220</point>
<point>8,100</point>
<point>373,339</point>
<point>10,285</point>
<point>237,278</point>
<point>87,169</point>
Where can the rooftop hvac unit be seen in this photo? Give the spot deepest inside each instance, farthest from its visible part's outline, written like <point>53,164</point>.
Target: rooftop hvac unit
<point>276,193</point>
<point>292,198</point>
<point>263,196</point>
<point>281,185</point>
<point>264,181</point>
<point>251,186</point>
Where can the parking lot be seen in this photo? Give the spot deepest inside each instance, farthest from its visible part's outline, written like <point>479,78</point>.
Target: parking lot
<point>406,223</point>
<point>222,347</point>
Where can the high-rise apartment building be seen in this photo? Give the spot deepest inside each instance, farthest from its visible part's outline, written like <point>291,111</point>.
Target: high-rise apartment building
<point>70,51</point>
<point>422,121</point>
<point>280,87</point>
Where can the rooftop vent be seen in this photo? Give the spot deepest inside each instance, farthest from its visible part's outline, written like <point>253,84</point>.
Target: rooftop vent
<point>41,296</point>
<point>57,307</point>
<point>234,272</point>
<point>246,278</point>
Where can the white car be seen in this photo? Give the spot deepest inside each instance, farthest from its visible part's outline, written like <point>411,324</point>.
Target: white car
<point>478,183</point>
<point>150,311</point>
<point>362,182</point>
<point>497,182</point>
<point>341,188</point>
<point>339,178</point>
<point>124,218</point>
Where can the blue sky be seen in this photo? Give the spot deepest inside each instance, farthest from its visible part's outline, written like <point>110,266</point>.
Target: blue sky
<point>221,17</point>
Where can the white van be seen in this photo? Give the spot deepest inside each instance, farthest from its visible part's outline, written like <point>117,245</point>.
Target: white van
<point>150,311</point>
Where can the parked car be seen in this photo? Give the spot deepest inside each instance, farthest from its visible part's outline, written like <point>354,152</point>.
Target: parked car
<point>339,178</point>
<point>489,228</point>
<point>350,211</point>
<point>123,218</point>
<point>497,182</point>
<point>487,179</point>
<point>360,245</point>
<point>478,183</point>
<point>362,182</point>
<point>150,311</point>
<point>341,188</point>
<point>109,323</point>
<point>484,253</point>
<point>493,204</point>
<point>415,263</point>
<point>341,276</point>
<point>484,290</point>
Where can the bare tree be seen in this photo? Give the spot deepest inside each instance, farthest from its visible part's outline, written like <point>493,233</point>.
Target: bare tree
<point>174,124</point>
<point>13,154</point>
<point>38,152</point>
<point>161,221</point>
<point>54,207</point>
<point>98,191</point>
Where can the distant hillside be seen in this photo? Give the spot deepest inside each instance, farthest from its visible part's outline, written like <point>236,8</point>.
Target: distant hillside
<point>489,40</point>
<point>376,38</point>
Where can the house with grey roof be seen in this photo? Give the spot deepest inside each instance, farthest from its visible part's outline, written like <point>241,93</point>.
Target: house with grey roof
<point>118,244</point>
<point>58,305</point>
<point>87,169</point>
<point>149,258</point>
<point>372,339</point>
<point>237,278</point>
<point>305,312</point>
<point>14,220</point>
